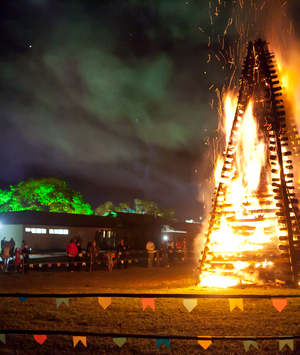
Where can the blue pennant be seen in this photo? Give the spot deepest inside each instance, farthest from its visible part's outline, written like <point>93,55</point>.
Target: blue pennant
<point>159,342</point>
<point>23,299</point>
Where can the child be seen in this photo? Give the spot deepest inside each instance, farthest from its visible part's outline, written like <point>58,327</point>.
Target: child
<point>18,259</point>
<point>110,258</point>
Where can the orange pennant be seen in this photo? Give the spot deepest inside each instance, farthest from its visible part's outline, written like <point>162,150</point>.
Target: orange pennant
<point>148,302</point>
<point>204,343</point>
<point>104,301</point>
<point>279,303</point>
<point>77,339</point>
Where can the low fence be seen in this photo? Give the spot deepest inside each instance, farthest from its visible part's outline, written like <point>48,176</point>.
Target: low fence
<point>90,261</point>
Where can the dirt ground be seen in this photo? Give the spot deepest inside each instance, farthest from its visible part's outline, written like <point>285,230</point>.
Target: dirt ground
<point>126,315</point>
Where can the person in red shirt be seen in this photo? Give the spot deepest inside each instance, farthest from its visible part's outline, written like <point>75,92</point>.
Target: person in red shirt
<point>18,259</point>
<point>72,251</point>
<point>178,244</point>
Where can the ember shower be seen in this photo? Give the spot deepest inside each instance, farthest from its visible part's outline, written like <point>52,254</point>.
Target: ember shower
<point>252,235</point>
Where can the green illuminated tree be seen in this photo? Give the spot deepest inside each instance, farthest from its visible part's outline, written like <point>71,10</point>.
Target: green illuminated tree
<point>104,208</point>
<point>140,207</point>
<point>123,207</point>
<point>46,194</point>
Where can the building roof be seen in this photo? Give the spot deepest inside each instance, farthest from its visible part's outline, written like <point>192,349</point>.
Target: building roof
<point>58,219</point>
<point>80,220</point>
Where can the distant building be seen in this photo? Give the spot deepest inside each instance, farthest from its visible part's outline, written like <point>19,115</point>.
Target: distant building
<point>53,231</point>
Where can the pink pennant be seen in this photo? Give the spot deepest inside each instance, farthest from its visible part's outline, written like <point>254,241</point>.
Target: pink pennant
<point>279,303</point>
<point>39,338</point>
<point>148,302</point>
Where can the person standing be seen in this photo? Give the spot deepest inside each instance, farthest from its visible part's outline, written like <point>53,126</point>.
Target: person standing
<point>179,247</point>
<point>110,260</point>
<point>6,256</point>
<point>12,244</point>
<point>3,241</point>
<point>25,252</point>
<point>184,249</point>
<point>78,257</point>
<point>92,252</point>
<point>151,250</point>
<point>122,251</point>
<point>72,251</point>
<point>171,249</point>
<point>18,259</point>
<point>89,256</point>
<point>164,253</point>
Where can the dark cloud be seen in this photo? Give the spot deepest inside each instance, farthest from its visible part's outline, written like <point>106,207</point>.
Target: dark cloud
<point>112,96</point>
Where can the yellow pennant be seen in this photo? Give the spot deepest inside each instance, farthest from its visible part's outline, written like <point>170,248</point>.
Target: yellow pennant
<point>236,302</point>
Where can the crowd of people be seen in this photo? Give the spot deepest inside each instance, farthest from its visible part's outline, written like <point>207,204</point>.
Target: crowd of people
<point>75,255</point>
<point>168,250</point>
<point>8,252</point>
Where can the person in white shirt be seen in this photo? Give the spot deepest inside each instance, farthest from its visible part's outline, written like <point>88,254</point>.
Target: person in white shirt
<point>151,250</point>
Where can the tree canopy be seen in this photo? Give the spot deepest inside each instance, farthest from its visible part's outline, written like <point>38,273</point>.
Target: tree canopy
<point>46,194</point>
<point>140,206</point>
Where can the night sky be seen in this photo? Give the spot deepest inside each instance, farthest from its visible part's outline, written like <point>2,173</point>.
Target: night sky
<point>117,98</point>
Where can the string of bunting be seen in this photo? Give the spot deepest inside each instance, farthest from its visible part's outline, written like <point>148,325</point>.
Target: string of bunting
<point>40,336</point>
<point>102,262</point>
<point>189,302</point>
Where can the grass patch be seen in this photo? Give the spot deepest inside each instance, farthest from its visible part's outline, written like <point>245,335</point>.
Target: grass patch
<point>125,315</point>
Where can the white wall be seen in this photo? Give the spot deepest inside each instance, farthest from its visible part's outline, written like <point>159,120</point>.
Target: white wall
<point>57,241</point>
<point>14,231</point>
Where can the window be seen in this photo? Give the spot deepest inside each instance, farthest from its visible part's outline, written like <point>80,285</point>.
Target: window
<point>59,231</point>
<point>36,230</point>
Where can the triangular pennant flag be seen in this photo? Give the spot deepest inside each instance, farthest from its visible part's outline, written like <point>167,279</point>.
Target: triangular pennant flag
<point>30,265</point>
<point>122,261</point>
<point>75,264</point>
<point>204,343</point>
<point>83,264</point>
<point>148,302</point>
<point>279,303</point>
<point>159,342</point>
<point>104,301</point>
<point>2,338</point>
<point>77,339</point>
<point>119,341</point>
<point>129,261</point>
<point>59,301</point>
<point>248,343</point>
<point>66,265</point>
<point>49,265</point>
<point>236,302</point>
<point>190,304</point>
<point>22,299</point>
<point>136,261</point>
<point>58,264</point>
<point>39,338</point>
<point>288,342</point>
<point>40,265</point>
